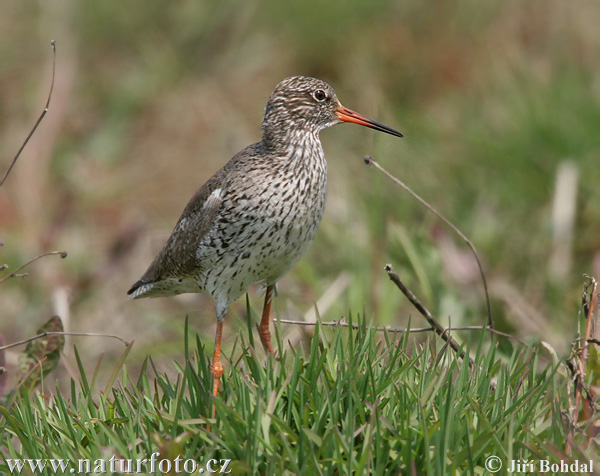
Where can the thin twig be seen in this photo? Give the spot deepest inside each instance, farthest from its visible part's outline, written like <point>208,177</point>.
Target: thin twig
<point>396,330</point>
<point>370,161</point>
<point>42,115</point>
<point>437,327</point>
<point>63,254</point>
<point>45,334</point>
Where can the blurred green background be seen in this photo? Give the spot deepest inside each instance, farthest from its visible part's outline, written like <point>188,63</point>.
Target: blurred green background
<point>499,103</point>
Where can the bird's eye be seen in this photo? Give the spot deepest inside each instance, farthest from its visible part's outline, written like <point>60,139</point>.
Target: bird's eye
<point>319,95</point>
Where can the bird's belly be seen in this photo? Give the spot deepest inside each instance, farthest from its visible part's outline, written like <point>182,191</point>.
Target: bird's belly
<point>260,244</point>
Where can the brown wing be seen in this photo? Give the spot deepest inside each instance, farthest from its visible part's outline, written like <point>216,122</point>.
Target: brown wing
<point>178,256</point>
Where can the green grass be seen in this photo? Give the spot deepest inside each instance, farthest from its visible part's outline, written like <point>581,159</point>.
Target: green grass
<point>151,99</point>
<point>355,402</point>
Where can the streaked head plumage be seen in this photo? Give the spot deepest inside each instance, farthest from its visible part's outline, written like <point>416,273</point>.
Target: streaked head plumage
<point>302,105</point>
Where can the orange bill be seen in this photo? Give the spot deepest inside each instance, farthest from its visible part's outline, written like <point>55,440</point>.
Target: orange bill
<point>348,115</point>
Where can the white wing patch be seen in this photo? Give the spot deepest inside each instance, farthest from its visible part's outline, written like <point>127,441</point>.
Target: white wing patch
<point>214,199</point>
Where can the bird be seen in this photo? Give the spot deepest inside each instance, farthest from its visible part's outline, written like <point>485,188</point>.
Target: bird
<point>253,220</point>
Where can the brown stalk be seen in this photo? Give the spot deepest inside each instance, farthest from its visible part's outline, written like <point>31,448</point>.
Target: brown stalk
<point>42,115</point>
<point>396,330</point>
<point>580,355</point>
<point>437,327</point>
<point>45,334</point>
<point>370,161</point>
<point>63,254</point>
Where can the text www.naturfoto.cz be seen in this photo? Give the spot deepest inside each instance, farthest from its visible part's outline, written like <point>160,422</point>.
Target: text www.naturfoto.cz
<point>118,465</point>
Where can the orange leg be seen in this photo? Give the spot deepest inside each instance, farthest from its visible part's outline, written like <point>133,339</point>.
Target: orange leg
<point>263,328</point>
<point>215,367</point>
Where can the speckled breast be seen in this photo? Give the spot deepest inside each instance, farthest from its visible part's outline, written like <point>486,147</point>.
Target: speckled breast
<point>265,225</point>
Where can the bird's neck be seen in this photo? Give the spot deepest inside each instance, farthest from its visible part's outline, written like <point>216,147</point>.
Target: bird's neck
<point>293,143</point>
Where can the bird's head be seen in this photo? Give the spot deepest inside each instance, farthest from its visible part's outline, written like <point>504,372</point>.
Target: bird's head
<point>301,105</point>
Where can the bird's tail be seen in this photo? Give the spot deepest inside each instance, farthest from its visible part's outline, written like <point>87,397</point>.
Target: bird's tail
<point>139,289</point>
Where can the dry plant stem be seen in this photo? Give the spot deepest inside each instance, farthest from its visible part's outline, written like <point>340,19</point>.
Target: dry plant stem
<point>490,323</point>
<point>437,327</point>
<point>45,334</point>
<point>590,318</point>
<point>63,254</point>
<point>581,354</point>
<point>42,115</point>
<point>396,330</point>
